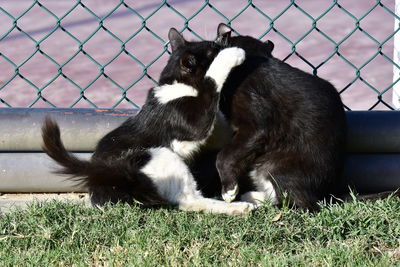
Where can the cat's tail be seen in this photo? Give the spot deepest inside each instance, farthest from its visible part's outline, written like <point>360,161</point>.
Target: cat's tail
<point>120,176</point>
<point>53,146</point>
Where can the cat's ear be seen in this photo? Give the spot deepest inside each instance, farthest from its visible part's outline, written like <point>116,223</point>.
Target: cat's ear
<point>269,46</point>
<point>188,62</point>
<point>223,33</point>
<point>175,39</point>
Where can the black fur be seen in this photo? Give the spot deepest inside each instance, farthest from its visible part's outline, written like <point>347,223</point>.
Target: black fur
<point>113,174</point>
<point>290,126</point>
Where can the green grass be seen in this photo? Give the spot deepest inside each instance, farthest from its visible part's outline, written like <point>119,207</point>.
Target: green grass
<point>352,234</point>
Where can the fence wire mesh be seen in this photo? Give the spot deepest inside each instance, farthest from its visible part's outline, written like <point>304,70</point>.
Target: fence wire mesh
<point>109,53</point>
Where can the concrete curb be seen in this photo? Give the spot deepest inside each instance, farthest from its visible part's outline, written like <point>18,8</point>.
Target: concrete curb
<point>9,202</point>
<point>373,138</point>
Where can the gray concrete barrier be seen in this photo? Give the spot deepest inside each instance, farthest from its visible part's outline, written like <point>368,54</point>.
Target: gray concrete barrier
<point>32,172</point>
<point>371,173</point>
<point>373,131</point>
<point>369,131</point>
<point>80,128</point>
<point>373,163</point>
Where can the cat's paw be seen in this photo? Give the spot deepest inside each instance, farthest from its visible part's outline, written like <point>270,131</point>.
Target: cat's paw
<point>229,195</point>
<point>254,197</point>
<point>223,63</point>
<point>232,56</point>
<point>240,208</point>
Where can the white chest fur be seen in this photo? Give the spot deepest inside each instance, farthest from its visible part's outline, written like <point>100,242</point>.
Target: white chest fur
<point>169,92</point>
<point>186,149</point>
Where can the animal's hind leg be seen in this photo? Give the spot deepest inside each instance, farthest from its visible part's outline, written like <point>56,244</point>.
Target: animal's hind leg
<point>234,159</point>
<point>175,183</point>
<point>216,206</point>
<point>260,177</point>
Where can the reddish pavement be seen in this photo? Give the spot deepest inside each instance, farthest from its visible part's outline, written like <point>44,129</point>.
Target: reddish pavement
<point>102,47</point>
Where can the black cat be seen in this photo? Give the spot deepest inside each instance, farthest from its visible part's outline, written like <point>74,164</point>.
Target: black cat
<point>145,159</point>
<point>289,129</point>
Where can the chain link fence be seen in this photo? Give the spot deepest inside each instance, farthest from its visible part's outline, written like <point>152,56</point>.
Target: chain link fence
<point>109,53</point>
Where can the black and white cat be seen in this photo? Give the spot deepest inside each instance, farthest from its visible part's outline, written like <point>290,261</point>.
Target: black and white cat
<point>289,129</point>
<point>145,159</point>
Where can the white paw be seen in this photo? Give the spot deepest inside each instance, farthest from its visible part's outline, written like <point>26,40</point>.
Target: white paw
<point>257,198</point>
<point>260,197</point>
<point>241,208</point>
<point>232,56</point>
<point>230,195</point>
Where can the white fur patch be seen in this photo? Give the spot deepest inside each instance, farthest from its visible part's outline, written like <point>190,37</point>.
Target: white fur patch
<point>217,206</point>
<point>175,183</point>
<point>217,136</point>
<point>230,195</point>
<point>255,197</point>
<point>169,92</point>
<point>170,174</point>
<point>186,149</point>
<point>263,185</point>
<point>223,63</point>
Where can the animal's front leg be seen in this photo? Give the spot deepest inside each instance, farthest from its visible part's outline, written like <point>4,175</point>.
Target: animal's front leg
<point>223,63</point>
<point>234,159</point>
